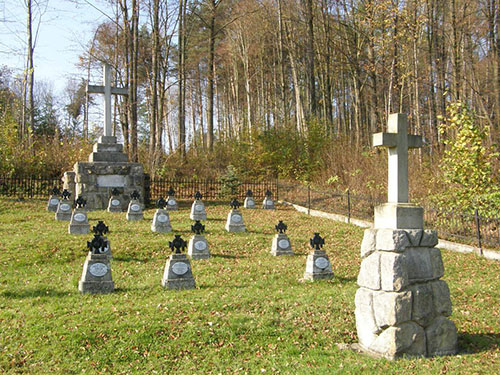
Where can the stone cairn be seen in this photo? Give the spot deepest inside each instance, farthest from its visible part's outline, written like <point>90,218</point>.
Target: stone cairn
<point>101,229</point>
<point>268,203</point>
<point>178,273</point>
<point>249,202</point>
<point>234,221</point>
<point>171,201</point>
<point>161,218</point>
<point>79,223</point>
<point>281,243</point>
<point>318,265</point>
<point>198,208</point>
<point>96,275</point>
<point>402,305</point>
<point>115,203</point>
<point>198,245</point>
<point>134,211</point>
<point>64,211</point>
<point>53,200</point>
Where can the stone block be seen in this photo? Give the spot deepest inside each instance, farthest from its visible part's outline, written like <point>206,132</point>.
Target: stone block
<point>369,273</point>
<point>366,326</point>
<point>161,222</point>
<point>429,238</point>
<point>441,337</point>
<point>96,275</point>
<point>198,247</point>
<point>249,203</point>
<point>268,204</point>
<point>392,240</point>
<point>109,157</point>
<point>406,339</point>
<point>441,297</point>
<point>436,262</point>
<point>318,266</point>
<point>419,264</point>
<point>281,245</point>
<point>393,271</point>
<point>368,243</point>
<point>423,311</point>
<point>391,308</point>
<point>178,273</point>
<point>234,222</point>
<point>198,211</point>
<point>399,216</point>
<point>107,139</point>
<point>415,236</point>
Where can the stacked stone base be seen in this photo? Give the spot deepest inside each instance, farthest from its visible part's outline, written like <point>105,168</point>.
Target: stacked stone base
<point>402,305</point>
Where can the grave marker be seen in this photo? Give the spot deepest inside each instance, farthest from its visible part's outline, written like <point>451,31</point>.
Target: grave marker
<point>64,212</point>
<point>171,201</point>
<point>234,222</point>
<point>318,265</point>
<point>53,200</point>
<point>249,201</point>
<point>198,245</point>
<point>268,203</point>
<point>96,275</point>
<point>134,212</point>
<point>115,203</point>
<point>161,218</point>
<point>281,243</point>
<point>178,273</point>
<point>79,223</point>
<point>198,208</point>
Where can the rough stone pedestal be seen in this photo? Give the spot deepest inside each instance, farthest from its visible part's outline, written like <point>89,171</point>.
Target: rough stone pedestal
<point>318,266</point>
<point>281,245</point>
<point>198,211</point>
<point>402,305</point>
<point>96,276</point>
<point>268,204</point>
<point>161,222</point>
<point>134,212</point>
<point>171,204</point>
<point>115,204</point>
<point>178,273</point>
<point>63,212</point>
<point>53,203</point>
<point>79,223</point>
<point>234,221</point>
<point>198,247</point>
<point>249,203</point>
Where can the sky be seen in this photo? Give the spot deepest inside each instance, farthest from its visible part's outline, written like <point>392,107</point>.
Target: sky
<point>65,28</point>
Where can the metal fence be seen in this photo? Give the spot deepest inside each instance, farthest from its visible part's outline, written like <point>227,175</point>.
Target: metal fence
<point>28,186</point>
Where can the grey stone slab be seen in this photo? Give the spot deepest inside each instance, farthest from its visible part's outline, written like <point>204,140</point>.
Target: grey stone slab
<point>112,180</point>
<point>366,326</point>
<point>369,273</point>
<point>318,266</point>
<point>393,271</point>
<point>419,264</point>
<point>249,203</point>
<point>368,245</point>
<point>178,273</point>
<point>96,275</point>
<point>441,297</point>
<point>268,204</point>
<point>110,157</point>
<point>281,245</point>
<point>392,308</point>
<point>399,216</point>
<point>52,203</point>
<point>429,238</point>
<point>161,222</point>
<point>406,339</point>
<point>198,247</point>
<point>234,222</point>
<point>423,311</point>
<point>198,211</point>
<point>441,337</point>
<point>392,240</point>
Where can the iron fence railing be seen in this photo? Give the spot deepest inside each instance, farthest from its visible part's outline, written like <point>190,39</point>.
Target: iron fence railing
<point>29,186</point>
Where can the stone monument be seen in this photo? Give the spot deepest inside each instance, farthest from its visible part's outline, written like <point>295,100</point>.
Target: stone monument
<point>79,223</point>
<point>198,245</point>
<point>63,211</point>
<point>402,305</point>
<point>198,208</point>
<point>268,203</point>
<point>53,200</point>
<point>108,167</point>
<point>101,229</point>
<point>171,201</point>
<point>178,273</point>
<point>115,202</point>
<point>249,202</point>
<point>281,243</point>
<point>96,276</point>
<point>134,211</point>
<point>161,218</point>
<point>234,221</point>
<point>318,265</point>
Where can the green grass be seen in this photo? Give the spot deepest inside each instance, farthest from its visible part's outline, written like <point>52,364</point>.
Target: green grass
<point>248,314</point>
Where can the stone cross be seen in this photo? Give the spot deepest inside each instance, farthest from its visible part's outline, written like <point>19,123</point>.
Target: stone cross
<point>397,141</point>
<point>107,90</point>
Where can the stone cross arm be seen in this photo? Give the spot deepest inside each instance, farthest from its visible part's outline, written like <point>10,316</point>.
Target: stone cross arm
<point>96,89</point>
<point>390,140</point>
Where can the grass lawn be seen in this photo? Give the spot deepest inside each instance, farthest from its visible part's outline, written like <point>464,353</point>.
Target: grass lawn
<point>248,314</point>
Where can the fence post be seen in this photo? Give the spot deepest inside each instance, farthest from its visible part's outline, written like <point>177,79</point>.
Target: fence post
<point>478,232</point>
<point>309,199</point>
<point>348,206</point>
<point>277,189</point>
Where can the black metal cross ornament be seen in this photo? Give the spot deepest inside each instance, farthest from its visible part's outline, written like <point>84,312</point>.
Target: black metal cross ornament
<point>55,191</point>
<point>115,192</point>
<point>281,227</point>
<point>317,242</point>
<point>198,196</point>
<point>135,195</point>
<point>171,192</point>
<point>249,193</point>
<point>66,194</point>
<point>98,244</point>
<point>80,202</point>
<point>268,193</point>
<point>198,227</point>
<point>100,228</point>
<point>161,203</point>
<point>235,204</point>
<point>178,244</point>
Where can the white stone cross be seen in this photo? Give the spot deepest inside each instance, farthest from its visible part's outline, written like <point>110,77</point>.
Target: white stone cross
<point>398,141</point>
<point>107,90</point>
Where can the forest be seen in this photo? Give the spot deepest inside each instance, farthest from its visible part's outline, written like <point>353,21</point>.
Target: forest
<point>288,88</point>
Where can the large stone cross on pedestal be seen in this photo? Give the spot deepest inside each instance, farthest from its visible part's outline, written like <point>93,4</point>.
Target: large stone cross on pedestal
<point>107,90</point>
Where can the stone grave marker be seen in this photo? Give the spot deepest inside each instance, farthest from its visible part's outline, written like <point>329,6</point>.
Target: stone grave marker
<point>318,265</point>
<point>198,208</point>
<point>101,229</point>
<point>64,208</point>
<point>198,245</point>
<point>234,221</point>
<point>79,223</point>
<point>115,203</point>
<point>171,201</point>
<point>134,211</point>
<point>402,306</point>
<point>96,275</point>
<point>281,243</point>
<point>53,200</point>
<point>161,218</point>
<point>178,273</point>
<point>268,203</point>
<point>249,201</point>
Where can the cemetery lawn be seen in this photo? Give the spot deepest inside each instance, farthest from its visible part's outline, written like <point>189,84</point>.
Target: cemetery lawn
<point>248,314</point>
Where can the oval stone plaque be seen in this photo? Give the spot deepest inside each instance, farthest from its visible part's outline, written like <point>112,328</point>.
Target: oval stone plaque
<point>269,203</point>
<point>236,218</point>
<point>171,202</point>
<point>180,268</point>
<point>65,207</point>
<point>198,207</point>
<point>200,245</point>
<point>79,217</point>
<point>115,202</point>
<point>54,202</point>
<point>162,218</point>
<point>135,207</point>
<point>321,262</point>
<point>283,244</point>
<point>98,269</point>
